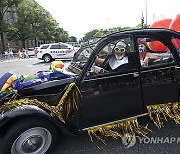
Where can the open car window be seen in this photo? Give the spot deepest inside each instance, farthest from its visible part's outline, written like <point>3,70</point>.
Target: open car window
<point>153,52</point>
<point>176,43</point>
<point>114,57</point>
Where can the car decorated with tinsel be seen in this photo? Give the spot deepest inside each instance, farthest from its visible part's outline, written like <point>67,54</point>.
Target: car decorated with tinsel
<point>105,99</point>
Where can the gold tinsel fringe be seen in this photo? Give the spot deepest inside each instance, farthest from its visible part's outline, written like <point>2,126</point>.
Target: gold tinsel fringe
<point>118,130</point>
<point>68,101</point>
<point>157,113</point>
<point>160,112</point>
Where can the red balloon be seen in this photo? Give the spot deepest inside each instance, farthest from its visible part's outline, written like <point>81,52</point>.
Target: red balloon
<point>175,24</point>
<point>161,23</point>
<point>156,45</point>
<point>176,43</point>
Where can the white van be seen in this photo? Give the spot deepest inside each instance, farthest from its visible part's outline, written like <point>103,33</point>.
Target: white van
<point>49,52</point>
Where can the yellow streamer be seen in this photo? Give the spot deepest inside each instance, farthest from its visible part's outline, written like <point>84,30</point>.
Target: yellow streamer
<point>68,101</point>
<point>160,112</point>
<point>118,130</point>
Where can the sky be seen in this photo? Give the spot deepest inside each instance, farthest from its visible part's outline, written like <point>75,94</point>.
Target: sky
<point>78,17</point>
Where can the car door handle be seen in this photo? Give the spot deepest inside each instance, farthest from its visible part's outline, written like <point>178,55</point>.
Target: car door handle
<point>177,67</point>
<point>135,74</point>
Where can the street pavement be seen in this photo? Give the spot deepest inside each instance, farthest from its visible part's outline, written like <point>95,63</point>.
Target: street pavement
<point>162,141</point>
<point>25,66</point>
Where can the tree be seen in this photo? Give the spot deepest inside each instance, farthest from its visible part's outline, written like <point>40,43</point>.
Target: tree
<point>72,39</point>
<point>5,5</point>
<point>139,26</point>
<point>35,23</point>
<point>90,35</point>
<point>22,29</point>
<point>102,32</point>
<point>60,35</point>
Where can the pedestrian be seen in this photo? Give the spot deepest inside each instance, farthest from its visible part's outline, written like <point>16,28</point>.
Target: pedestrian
<point>26,53</point>
<point>19,53</point>
<point>11,53</point>
<point>23,54</point>
<point>6,54</point>
<point>35,52</point>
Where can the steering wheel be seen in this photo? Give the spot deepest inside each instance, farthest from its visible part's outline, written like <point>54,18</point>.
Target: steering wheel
<point>106,61</point>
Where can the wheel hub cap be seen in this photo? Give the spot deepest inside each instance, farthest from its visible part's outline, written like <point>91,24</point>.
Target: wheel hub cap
<point>32,144</point>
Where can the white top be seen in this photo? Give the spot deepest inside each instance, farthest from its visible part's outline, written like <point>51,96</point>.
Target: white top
<point>115,63</point>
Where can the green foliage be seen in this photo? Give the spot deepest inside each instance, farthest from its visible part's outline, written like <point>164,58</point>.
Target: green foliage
<point>72,39</point>
<point>102,32</point>
<point>99,33</point>
<point>139,25</point>
<point>90,35</point>
<point>35,23</point>
<point>5,5</point>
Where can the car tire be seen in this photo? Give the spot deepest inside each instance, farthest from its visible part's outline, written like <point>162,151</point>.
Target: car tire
<point>30,135</point>
<point>47,58</point>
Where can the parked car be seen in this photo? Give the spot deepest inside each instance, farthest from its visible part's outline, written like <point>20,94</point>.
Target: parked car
<point>49,52</point>
<point>76,45</point>
<point>30,52</point>
<point>89,100</point>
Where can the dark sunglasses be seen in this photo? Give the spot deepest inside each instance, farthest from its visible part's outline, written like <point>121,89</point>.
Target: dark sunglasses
<point>120,49</point>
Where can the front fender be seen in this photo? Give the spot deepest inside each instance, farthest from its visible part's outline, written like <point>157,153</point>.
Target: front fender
<point>11,115</point>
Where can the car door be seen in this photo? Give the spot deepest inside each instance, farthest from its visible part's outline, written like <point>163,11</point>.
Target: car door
<point>160,80</point>
<point>56,51</point>
<point>111,96</point>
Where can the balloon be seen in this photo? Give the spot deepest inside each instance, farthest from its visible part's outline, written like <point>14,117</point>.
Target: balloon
<point>161,23</point>
<point>176,43</point>
<point>156,45</point>
<point>175,24</point>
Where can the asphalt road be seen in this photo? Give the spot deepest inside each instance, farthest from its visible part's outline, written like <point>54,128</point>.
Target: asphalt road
<point>165,140</point>
<point>25,66</point>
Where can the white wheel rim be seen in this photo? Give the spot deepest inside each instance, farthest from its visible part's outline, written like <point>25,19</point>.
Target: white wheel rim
<point>46,58</point>
<point>33,141</point>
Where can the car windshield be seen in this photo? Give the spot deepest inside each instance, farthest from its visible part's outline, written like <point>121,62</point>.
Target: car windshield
<point>80,58</point>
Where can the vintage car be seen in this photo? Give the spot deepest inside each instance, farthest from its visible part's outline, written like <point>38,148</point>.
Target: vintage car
<point>92,98</point>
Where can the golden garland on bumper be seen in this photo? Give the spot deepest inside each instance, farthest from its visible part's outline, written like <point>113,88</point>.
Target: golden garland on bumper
<point>157,114</point>
<point>160,112</point>
<point>68,101</point>
<point>72,96</point>
<point>120,129</point>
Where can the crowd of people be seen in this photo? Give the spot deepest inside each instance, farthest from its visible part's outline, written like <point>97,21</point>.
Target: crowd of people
<point>21,53</point>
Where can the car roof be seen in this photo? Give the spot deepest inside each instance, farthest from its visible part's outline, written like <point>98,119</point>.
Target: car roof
<point>30,48</point>
<point>55,44</point>
<point>147,31</point>
<point>160,32</point>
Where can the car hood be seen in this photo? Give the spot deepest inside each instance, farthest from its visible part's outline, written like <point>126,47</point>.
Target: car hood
<point>46,88</point>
